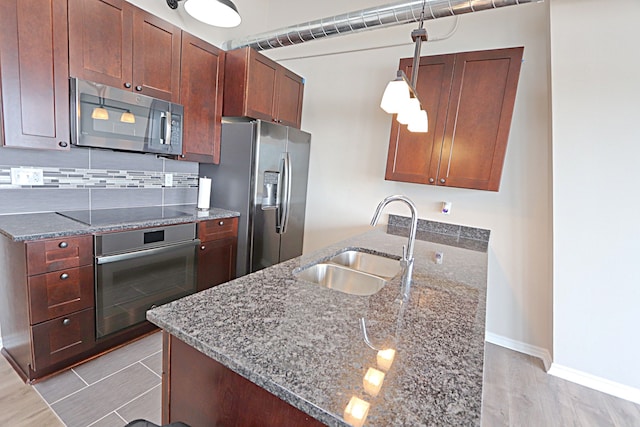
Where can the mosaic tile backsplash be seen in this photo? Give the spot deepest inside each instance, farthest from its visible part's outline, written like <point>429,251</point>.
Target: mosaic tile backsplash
<point>102,178</point>
<point>85,178</point>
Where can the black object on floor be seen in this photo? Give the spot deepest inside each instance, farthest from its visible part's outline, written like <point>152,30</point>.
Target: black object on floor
<point>145,423</point>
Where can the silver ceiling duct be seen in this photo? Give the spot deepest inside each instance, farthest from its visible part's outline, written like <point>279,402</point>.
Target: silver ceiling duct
<point>376,17</point>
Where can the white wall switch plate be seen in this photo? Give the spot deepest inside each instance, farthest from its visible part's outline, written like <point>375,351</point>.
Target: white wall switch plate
<point>168,180</point>
<point>27,176</point>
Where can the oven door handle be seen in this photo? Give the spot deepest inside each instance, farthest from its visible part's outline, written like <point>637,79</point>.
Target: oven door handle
<point>154,251</point>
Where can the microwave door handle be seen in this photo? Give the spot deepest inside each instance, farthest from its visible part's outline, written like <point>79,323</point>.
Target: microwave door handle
<point>165,127</point>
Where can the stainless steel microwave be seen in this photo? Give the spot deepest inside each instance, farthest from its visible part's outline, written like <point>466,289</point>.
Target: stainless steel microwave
<point>107,117</point>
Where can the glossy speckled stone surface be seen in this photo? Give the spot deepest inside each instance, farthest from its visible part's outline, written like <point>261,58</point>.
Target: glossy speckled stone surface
<point>305,343</point>
<point>23,227</point>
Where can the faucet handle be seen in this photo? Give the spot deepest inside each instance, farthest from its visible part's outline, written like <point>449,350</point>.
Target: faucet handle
<point>404,252</point>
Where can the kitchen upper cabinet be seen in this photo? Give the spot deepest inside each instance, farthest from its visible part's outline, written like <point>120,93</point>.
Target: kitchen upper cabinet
<point>34,74</point>
<point>469,98</point>
<point>119,45</point>
<point>201,84</point>
<point>257,87</point>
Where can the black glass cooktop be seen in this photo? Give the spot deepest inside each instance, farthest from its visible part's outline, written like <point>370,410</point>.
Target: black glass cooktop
<point>123,215</point>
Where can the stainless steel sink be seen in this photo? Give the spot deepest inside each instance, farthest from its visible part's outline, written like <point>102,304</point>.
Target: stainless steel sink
<point>342,279</point>
<point>377,265</point>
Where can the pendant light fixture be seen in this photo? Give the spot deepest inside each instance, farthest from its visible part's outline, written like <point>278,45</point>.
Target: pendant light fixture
<point>219,13</point>
<point>401,97</point>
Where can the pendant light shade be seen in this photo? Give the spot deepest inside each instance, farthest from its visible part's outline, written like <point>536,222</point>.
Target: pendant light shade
<point>219,13</point>
<point>128,117</point>
<point>401,97</point>
<point>100,113</point>
<point>395,95</point>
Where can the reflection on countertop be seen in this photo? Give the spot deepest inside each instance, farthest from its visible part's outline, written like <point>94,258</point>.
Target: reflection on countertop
<point>376,360</point>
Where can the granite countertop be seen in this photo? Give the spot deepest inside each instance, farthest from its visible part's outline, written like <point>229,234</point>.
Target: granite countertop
<point>35,226</point>
<point>305,343</point>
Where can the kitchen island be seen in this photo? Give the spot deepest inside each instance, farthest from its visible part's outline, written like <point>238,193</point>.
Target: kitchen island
<point>312,347</point>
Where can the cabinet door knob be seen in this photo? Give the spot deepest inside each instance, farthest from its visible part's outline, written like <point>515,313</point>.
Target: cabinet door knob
<point>63,245</point>
<point>221,223</point>
<point>127,85</point>
<point>64,276</point>
<point>66,322</point>
<point>63,143</point>
<point>442,180</point>
<point>139,88</point>
<point>203,247</point>
<point>431,180</point>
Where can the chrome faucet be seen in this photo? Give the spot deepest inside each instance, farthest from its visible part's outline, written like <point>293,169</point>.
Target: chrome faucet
<point>407,251</point>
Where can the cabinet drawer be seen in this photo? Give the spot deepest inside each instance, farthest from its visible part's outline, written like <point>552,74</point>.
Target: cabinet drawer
<point>62,338</point>
<point>44,256</point>
<point>59,293</point>
<point>217,229</point>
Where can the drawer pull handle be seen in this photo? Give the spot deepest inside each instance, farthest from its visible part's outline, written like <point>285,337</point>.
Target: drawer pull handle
<point>63,245</point>
<point>66,322</point>
<point>64,276</point>
<point>221,223</point>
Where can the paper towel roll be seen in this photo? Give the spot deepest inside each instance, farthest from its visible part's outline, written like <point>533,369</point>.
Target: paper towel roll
<point>204,192</point>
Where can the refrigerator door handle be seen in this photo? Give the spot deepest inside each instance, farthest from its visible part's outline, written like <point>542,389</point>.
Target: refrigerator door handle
<point>285,201</point>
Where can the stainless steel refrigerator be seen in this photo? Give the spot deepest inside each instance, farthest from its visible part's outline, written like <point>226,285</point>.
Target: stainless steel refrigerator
<point>262,174</point>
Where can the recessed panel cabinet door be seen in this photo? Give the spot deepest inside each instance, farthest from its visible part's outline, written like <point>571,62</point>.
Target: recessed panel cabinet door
<point>288,100</point>
<point>100,41</point>
<point>479,118</point>
<point>414,157</point>
<point>201,84</point>
<point>34,73</point>
<point>156,57</point>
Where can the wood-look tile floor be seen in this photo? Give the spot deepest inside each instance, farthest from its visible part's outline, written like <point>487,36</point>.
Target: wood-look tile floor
<point>125,384</point>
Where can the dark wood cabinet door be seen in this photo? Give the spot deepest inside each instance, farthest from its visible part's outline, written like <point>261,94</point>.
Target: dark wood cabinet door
<point>100,41</point>
<point>261,87</point>
<point>34,73</point>
<point>202,76</point>
<point>217,255</point>
<point>216,262</point>
<point>156,57</point>
<point>48,255</point>
<point>62,338</point>
<point>288,99</point>
<point>478,123</point>
<point>60,293</point>
<point>199,391</point>
<point>414,157</point>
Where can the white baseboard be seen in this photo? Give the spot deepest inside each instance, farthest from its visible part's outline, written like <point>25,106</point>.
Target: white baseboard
<point>597,383</point>
<point>519,346</point>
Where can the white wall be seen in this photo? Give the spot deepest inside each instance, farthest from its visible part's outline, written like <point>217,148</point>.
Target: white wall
<point>596,147</point>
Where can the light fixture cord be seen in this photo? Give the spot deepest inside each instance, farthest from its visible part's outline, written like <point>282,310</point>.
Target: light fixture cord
<point>418,36</point>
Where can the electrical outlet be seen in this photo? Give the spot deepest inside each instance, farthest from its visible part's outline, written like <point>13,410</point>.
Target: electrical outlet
<point>168,180</point>
<point>27,176</point>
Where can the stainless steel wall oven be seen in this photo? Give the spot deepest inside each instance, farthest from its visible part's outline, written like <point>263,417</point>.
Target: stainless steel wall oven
<point>139,269</point>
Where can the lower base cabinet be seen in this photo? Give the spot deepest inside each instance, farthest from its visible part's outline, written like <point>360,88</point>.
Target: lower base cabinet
<point>201,392</point>
<point>217,255</point>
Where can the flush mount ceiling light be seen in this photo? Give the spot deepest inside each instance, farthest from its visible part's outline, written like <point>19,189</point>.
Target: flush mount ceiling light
<point>219,13</point>
<point>401,97</point>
